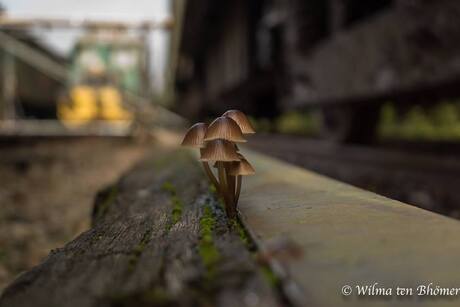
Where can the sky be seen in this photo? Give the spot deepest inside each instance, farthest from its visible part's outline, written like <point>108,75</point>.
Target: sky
<point>125,10</point>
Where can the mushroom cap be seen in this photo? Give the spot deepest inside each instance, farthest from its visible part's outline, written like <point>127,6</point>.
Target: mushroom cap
<point>241,168</point>
<point>194,136</point>
<point>224,128</point>
<point>242,120</point>
<point>219,150</point>
<point>240,156</point>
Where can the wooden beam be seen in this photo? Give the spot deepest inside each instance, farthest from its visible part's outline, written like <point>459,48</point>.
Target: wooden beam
<point>159,238</point>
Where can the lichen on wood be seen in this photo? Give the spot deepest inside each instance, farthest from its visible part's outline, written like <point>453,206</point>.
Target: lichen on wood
<point>176,203</point>
<point>208,252</point>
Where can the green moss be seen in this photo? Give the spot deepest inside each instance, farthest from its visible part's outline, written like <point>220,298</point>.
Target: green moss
<point>212,189</point>
<point>176,202</point>
<point>208,252</point>
<point>138,249</point>
<point>270,276</point>
<point>177,209</point>
<point>169,187</point>
<point>242,233</point>
<point>207,222</point>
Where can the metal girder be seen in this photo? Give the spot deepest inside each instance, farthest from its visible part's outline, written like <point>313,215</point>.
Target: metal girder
<point>24,23</point>
<point>33,57</point>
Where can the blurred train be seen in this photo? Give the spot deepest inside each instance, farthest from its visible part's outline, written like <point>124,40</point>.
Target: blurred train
<point>102,83</point>
<point>342,58</point>
<point>103,70</point>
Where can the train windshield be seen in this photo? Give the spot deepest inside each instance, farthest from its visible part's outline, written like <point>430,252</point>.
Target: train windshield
<point>108,64</point>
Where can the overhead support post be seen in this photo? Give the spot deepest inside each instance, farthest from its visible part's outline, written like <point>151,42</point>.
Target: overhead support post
<point>9,87</point>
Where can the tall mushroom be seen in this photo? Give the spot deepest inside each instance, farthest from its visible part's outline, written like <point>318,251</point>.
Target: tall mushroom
<point>242,120</point>
<point>227,129</point>
<point>246,128</point>
<point>194,137</point>
<point>221,151</point>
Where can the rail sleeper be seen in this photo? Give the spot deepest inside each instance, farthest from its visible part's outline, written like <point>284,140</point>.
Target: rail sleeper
<point>159,238</point>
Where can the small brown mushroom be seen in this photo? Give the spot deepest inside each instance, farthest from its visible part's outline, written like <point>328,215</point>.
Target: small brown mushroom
<point>239,169</point>
<point>242,120</point>
<point>219,150</point>
<point>194,137</point>
<point>224,128</point>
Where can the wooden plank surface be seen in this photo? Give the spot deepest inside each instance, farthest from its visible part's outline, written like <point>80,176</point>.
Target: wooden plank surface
<point>350,237</point>
<point>159,238</point>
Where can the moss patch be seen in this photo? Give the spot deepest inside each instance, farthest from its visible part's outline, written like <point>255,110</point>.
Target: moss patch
<point>212,189</point>
<point>176,202</point>
<point>208,251</point>
<point>169,187</point>
<point>138,249</point>
<point>177,209</point>
<point>271,278</point>
<point>243,234</point>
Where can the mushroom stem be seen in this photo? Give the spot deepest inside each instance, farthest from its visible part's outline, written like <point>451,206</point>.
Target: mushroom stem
<point>211,176</point>
<point>230,185</point>
<point>239,180</point>
<point>224,187</point>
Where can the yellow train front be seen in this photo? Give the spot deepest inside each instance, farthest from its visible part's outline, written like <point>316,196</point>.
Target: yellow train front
<point>103,72</point>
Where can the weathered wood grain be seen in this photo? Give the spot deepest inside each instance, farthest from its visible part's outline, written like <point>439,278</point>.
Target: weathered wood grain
<point>159,238</point>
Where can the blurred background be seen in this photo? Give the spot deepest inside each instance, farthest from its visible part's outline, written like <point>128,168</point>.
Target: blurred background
<point>366,92</point>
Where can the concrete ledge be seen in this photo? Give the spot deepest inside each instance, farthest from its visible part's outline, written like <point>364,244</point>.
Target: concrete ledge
<point>350,237</point>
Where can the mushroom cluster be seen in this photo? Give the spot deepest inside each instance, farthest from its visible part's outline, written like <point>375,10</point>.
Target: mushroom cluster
<point>217,144</point>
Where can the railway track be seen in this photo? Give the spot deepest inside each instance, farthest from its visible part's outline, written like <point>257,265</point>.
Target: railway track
<point>423,175</point>
<point>343,233</point>
<point>47,190</point>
